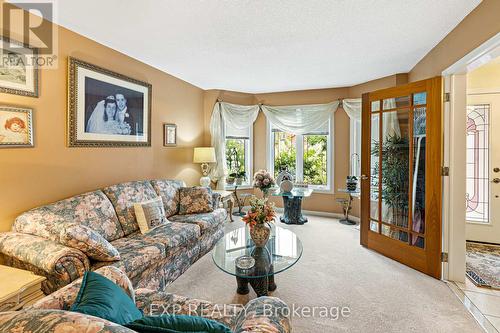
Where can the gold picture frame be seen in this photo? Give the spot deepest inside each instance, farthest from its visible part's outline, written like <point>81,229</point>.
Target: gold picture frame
<point>16,127</point>
<point>169,135</point>
<point>19,74</point>
<point>93,93</point>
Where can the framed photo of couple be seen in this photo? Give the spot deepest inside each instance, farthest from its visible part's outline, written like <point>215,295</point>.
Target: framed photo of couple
<point>107,109</point>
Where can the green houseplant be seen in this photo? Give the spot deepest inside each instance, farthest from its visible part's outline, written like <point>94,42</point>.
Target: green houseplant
<point>395,181</point>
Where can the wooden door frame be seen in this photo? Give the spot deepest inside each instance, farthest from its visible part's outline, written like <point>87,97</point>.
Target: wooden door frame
<point>395,249</point>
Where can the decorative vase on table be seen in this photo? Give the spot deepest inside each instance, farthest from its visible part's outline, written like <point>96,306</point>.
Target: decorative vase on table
<point>263,181</point>
<point>352,183</point>
<point>258,217</point>
<point>260,234</point>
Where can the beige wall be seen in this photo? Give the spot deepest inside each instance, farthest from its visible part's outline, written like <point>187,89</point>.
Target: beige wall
<point>485,77</point>
<point>52,171</point>
<point>479,26</point>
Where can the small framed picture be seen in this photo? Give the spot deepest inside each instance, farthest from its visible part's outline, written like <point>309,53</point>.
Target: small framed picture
<point>16,127</point>
<point>18,68</point>
<point>169,135</point>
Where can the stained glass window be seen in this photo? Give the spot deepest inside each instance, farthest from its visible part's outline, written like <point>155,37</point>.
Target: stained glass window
<point>477,196</point>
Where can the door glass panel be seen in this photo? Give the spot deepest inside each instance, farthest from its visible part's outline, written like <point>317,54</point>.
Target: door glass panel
<point>392,103</point>
<point>420,98</point>
<point>375,106</point>
<point>374,226</point>
<point>417,241</point>
<point>418,186</point>
<point>394,233</point>
<point>477,176</point>
<point>374,166</point>
<point>395,167</point>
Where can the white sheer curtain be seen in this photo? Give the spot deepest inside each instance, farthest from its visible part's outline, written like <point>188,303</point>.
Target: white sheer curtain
<point>299,119</point>
<point>238,117</point>
<point>352,106</point>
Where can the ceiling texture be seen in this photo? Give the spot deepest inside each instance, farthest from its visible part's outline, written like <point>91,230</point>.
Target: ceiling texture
<point>269,45</point>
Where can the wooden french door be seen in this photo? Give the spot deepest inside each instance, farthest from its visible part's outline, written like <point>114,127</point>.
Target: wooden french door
<point>401,174</point>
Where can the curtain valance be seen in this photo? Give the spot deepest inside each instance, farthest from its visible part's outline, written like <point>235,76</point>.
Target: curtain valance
<point>297,119</point>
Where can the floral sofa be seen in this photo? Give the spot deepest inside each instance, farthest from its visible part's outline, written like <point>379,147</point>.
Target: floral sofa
<point>62,240</point>
<point>264,314</point>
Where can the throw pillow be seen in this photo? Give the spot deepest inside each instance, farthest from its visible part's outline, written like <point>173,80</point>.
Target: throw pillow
<point>195,200</point>
<point>100,297</point>
<point>176,324</point>
<point>81,237</point>
<point>150,214</point>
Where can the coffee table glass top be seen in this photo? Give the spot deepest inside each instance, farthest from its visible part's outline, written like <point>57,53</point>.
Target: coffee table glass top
<point>295,192</point>
<point>281,252</point>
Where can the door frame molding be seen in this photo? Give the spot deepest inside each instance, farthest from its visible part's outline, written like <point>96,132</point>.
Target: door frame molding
<point>454,189</point>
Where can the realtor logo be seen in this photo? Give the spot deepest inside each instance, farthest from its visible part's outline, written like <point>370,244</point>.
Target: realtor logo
<point>27,26</point>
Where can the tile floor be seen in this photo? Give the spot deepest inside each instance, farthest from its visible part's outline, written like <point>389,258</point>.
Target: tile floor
<point>487,301</point>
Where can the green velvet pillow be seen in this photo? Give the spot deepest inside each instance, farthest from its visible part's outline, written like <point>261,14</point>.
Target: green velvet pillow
<point>176,324</point>
<point>100,297</point>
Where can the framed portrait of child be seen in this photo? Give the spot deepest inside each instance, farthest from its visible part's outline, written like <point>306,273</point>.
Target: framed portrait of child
<point>16,127</point>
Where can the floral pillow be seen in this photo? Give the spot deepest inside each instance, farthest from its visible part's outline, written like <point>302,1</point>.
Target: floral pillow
<point>195,200</point>
<point>88,241</point>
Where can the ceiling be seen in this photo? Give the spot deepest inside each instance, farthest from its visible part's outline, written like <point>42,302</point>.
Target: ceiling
<point>269,45</point>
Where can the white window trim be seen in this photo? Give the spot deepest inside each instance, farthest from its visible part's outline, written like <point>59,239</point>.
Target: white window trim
<point>248,166</point>
<point>329,158</point>
<point>353,143</point>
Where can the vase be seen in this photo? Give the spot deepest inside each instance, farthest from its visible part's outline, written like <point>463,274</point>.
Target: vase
<point>260,234</point>
<point>265,192</point>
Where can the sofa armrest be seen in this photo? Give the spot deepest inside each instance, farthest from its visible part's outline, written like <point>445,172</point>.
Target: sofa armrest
<point>64,298</point>
<point>156,303</point>
<point>264,314</point>
<point>216,200</point>
<point>60,264</point>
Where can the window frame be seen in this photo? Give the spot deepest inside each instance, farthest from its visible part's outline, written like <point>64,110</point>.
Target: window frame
<point>299,144</point>
<point>248,162</point>
<point>354,145</point>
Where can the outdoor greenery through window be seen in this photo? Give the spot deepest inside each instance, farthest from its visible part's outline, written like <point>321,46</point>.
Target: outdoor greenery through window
<point>306,156</point>
<point>238,156</point>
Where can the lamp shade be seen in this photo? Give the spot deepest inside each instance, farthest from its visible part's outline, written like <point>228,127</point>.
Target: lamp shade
<point>204,155</point>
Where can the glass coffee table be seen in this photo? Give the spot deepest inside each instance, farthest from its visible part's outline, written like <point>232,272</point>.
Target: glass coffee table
<point>281,252</point>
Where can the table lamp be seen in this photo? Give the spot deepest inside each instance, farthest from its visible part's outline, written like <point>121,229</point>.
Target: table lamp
<point>204,155</point>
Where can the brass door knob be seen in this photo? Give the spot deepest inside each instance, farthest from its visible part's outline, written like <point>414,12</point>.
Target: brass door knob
<point>364,177</point>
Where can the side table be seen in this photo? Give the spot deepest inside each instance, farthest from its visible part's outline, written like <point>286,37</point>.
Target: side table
<point>18,288</point>
<point>347,205</point>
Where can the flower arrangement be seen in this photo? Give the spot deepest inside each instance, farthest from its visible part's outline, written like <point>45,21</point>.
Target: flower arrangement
<point>261,211</point>
<point>263,180</point>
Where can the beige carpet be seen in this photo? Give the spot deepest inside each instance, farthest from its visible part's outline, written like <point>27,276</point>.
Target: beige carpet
<point>335,271</point>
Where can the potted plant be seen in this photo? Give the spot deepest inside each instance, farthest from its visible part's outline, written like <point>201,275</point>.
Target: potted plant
<point>258,217</point>
<point>352,183</point>
<point>240,177</point>
<point>230,179</point>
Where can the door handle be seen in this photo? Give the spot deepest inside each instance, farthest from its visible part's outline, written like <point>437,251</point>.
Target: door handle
<point>365,177</point>
<point>496,180</point>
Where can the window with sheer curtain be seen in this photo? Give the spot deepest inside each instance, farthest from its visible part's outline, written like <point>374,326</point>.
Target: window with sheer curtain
<point>239,152</point>
<point>307,156</point>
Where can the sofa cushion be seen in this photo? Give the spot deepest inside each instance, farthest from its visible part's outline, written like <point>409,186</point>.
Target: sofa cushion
<point>195,200</point>
<point>172,236</point>
<point>168,190</point>
<point>123,196</point>
<point>92,209</point>
<point>168,323</point>
<point>136,254</point>
<point>89,242</point>
<point>206,221</point>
